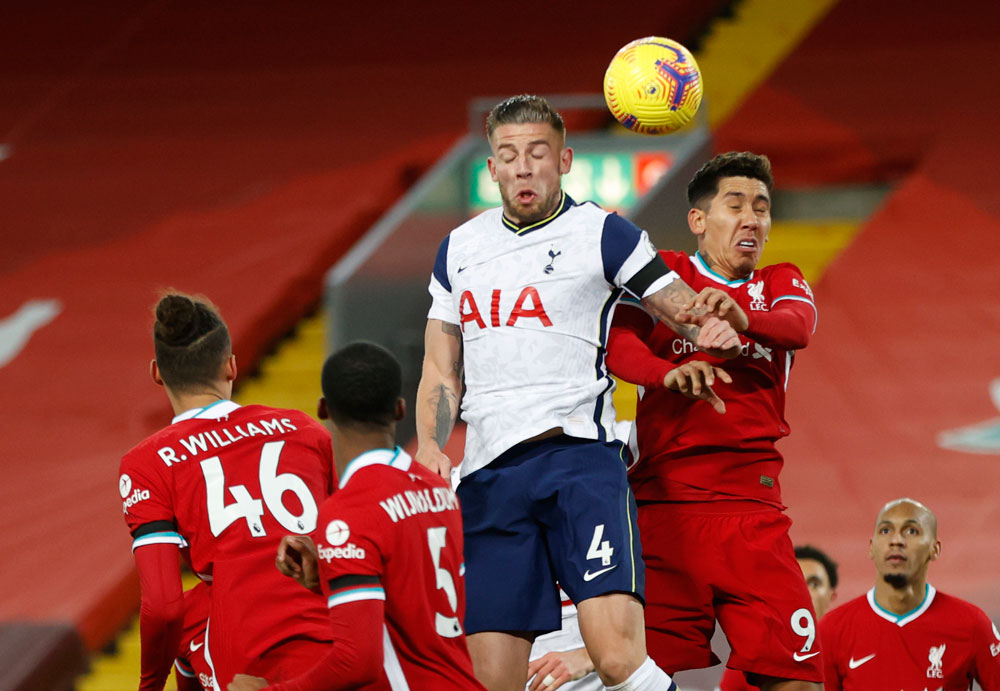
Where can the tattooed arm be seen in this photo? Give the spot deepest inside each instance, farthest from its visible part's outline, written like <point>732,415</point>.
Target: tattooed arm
<point>711,334</point>
<point>439,393</point>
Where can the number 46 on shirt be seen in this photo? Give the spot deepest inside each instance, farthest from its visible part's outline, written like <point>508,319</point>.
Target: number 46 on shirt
<point>273,485</point>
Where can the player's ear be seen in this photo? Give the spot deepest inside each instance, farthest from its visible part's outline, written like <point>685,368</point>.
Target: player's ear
<point>321,412</point>
<point>492,165</point>
<point>400,412</point>
<point>154,372</point>
<point>936,550</point>
<point>871,549</point>
<point>696,220</point>
<point>565,160</point>
<point>231,367</point>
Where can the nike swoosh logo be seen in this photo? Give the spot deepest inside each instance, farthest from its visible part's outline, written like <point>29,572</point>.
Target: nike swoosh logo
<point>854,664</point>
<point>461,269</point>
<point>800,658</point>
<point>587,576</point>
<point>195,647</point>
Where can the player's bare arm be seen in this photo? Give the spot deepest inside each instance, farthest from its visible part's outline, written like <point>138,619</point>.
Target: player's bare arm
<point>439,393</point>
<point>710,334</point>
<point>717,303</point>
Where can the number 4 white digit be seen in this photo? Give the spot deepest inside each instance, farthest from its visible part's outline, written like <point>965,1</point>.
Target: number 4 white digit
<point>272,486</point>
<point>598,549</point>
<point>221,516</point>
<point>446,627</point>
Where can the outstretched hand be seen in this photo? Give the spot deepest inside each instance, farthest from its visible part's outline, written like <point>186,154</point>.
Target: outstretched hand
<point>717,303</point>
<point>552,670</point>
<point>695,379</point>
<point>297,558</point>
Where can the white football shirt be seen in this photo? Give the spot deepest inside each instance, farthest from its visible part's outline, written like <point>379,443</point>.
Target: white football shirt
<point>534,305</point>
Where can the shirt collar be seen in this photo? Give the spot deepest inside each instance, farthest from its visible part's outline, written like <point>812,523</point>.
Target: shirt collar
<point>395,458</point>
<point>565,203</point>
<point>217,410</point>
<point>903,619</point>
<point>702,267</point>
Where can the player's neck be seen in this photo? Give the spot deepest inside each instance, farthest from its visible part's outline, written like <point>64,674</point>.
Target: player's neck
<point>349,444</point>
<point>727,272</point>
<point>900,600</point>
<point>183,401</point>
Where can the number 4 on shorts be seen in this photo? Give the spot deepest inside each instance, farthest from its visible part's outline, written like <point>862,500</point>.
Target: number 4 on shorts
<point>598,549</point>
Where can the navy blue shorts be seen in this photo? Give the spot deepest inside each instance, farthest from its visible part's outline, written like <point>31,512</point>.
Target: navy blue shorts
<point>559,509</point>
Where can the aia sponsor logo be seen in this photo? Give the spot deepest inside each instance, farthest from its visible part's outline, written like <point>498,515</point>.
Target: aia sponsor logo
<point>528,305</point>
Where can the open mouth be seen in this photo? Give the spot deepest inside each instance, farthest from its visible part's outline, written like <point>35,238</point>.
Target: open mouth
<point>526,196</point>
<point>749,245</point>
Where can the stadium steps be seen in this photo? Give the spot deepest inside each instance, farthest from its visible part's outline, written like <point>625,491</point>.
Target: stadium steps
<point>739,52</point>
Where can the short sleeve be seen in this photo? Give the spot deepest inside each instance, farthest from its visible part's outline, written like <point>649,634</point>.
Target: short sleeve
<point>349,540</point>
<point>787,283</point>
<point>987,653</point>
<point>442,305</point>
<point>630,260</point>
<point>146,502</point>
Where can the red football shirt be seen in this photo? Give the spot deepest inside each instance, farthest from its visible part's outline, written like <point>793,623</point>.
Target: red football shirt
<point>684,450</point>
<point>944,644</point>
<point>227,482</point>
<point>393,533</point>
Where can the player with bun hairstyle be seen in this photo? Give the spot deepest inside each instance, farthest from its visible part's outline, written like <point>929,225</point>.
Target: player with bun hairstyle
<point>219,487</point>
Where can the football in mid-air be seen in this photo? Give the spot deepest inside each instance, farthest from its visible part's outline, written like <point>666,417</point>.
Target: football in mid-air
<point>653,86</point>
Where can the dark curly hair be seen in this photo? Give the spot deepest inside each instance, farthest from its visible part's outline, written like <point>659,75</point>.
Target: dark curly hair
<point>705,183</point>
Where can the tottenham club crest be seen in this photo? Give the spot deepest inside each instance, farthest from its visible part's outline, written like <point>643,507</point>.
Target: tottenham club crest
<point>549,268</point>
<point>935,657</point>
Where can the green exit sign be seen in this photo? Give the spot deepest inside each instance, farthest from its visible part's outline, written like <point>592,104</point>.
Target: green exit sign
<point>613,180</point>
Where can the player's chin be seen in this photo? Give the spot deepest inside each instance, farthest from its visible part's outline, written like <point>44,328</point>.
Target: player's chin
<point>747,263</point>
